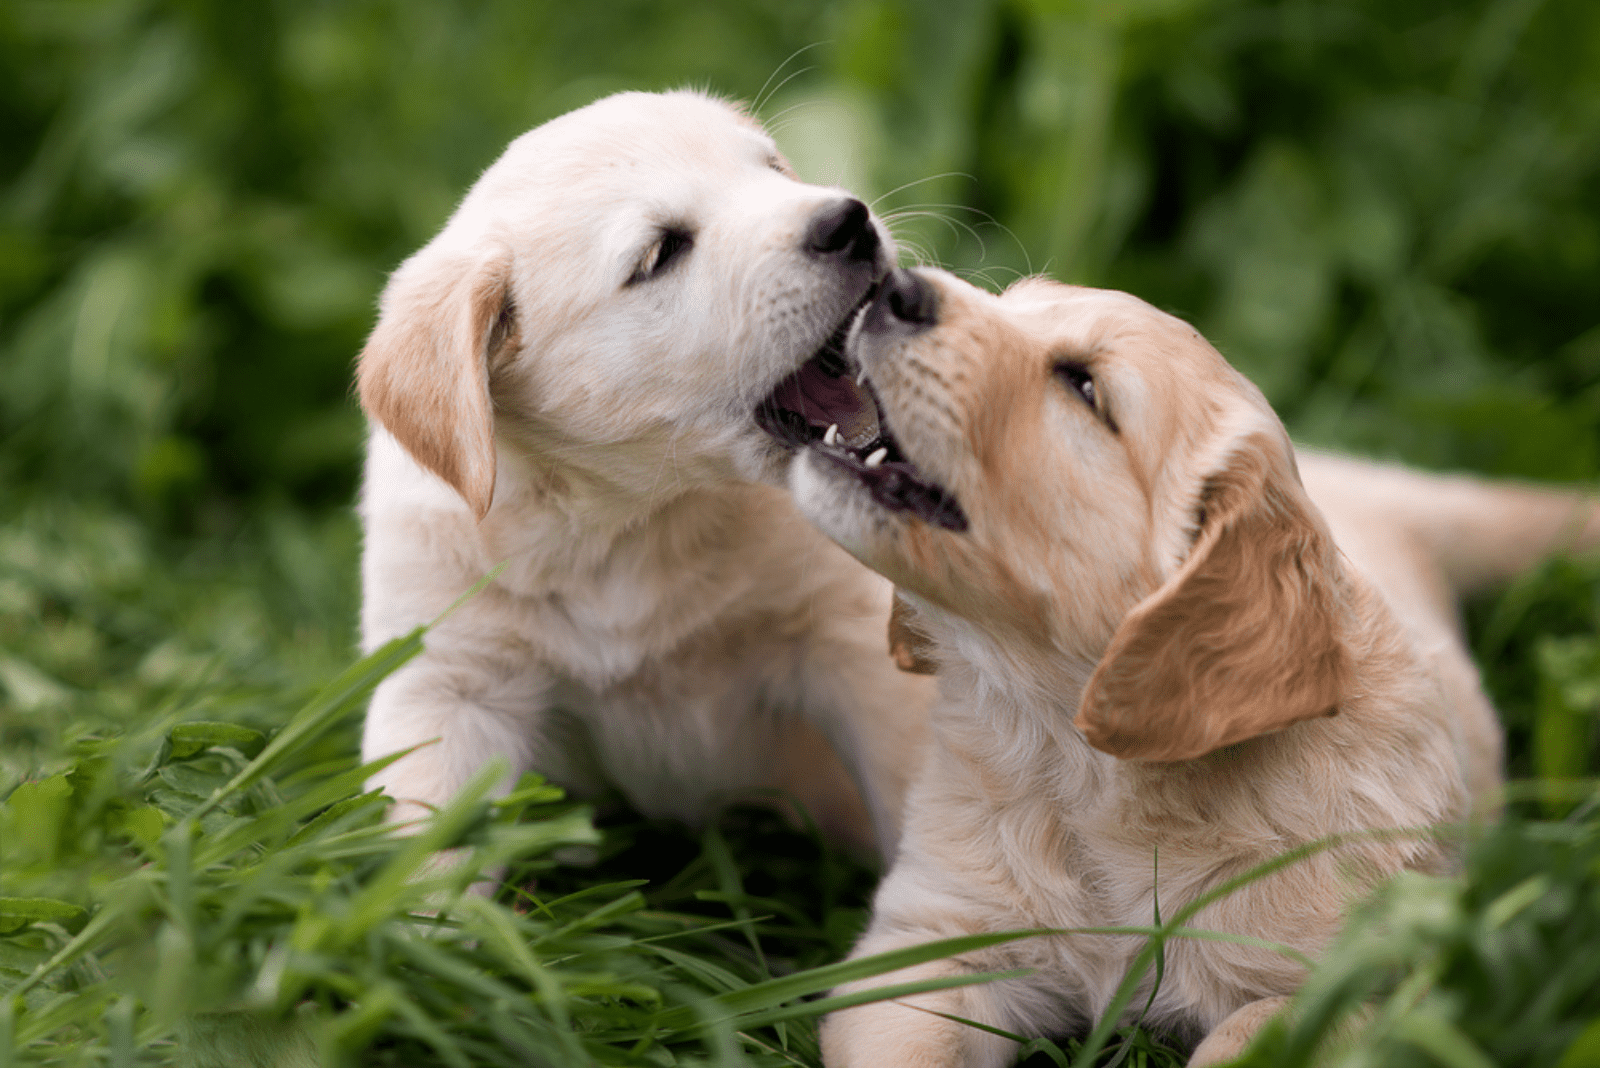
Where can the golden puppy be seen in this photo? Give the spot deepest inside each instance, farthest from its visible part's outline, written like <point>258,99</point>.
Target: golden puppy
<point>1162,660</point>
<point>567,380</point>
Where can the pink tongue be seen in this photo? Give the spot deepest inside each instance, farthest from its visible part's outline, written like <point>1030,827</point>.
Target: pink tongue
<point>825,401</point>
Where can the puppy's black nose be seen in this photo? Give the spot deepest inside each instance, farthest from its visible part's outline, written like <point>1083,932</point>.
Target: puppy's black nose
<point>909,298</point>
<point>843,228</point>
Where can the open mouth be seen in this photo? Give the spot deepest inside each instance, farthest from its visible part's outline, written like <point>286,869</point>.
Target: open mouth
<point>830,407</point>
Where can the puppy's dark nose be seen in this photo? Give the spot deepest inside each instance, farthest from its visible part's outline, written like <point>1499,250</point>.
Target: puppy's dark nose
<point>843,228</point>
<point>909,298</point>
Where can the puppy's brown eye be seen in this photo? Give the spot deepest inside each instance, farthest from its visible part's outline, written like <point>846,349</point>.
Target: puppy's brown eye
<point>1081,381</point>
<point>671,247</point>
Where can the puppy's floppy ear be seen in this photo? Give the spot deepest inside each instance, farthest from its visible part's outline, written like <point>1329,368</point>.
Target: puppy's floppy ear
<point>909,644</point>
<point>1244,640</point>
<point>424,374</point>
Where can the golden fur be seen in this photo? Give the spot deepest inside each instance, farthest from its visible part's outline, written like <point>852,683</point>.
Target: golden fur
<point>1199,664</point>
<point>424,374</point>
<point>1162,662</point>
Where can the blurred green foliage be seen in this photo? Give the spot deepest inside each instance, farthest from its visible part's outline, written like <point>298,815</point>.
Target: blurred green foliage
<point>1387,212</point>
<point>1383,210</point>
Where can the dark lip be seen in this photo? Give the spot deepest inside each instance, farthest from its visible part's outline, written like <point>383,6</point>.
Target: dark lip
<point>829,389</point>
<point>897,485</point>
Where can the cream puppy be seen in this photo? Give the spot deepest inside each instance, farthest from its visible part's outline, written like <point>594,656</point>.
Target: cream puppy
<point>566,381</point>
<point>1158,654</point>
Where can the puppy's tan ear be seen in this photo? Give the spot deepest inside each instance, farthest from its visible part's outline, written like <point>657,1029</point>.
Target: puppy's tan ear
<point>909,644</point>
<point>424,374</point>
<point>1244,640</point>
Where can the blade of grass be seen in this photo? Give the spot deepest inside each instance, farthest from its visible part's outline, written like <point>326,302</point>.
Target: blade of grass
<point>1160,941</point>
<point>764,995</point>
<point>1029,1045</point>
<point>732,891</point>
<point>327,707</point>
<point>1109,1019</point>
<point>823,1006</point>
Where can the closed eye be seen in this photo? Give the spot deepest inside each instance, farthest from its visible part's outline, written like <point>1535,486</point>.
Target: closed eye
<point>671,246</point>
<point>1078,379</point>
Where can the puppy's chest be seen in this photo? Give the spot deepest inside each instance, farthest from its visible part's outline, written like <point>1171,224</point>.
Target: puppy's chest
<point>1094,888</point>
<point>604,628</point>
<point>672,736</point>
<point>1089,867</point>
<point>1088,880</point>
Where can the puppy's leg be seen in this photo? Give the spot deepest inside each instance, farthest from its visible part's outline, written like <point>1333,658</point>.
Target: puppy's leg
<point>881,735</point>
<point>454,721</point>
<point>1229,1038</point>
<point>874,714</point>
<point>808,767</point>
<point>905,1032</point>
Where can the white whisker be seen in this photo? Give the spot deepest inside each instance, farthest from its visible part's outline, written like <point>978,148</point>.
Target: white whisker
<point>984,219</point>
<point>786,81</point>
<point>920,255</point>
<point>931,178</point>
<point>952,224</point>
<point>775,124</point>
<point>763,96</point>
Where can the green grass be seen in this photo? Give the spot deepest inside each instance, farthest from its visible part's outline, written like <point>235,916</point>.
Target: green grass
<point>1385,211</point>
<point>191,872</point>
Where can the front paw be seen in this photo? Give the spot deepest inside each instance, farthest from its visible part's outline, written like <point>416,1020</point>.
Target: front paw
<point>1230,1037</point>
<point>889,1035</point>
<point>915,1031</point>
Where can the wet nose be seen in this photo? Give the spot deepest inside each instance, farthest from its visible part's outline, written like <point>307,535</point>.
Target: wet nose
<point>843,228</point>
<point>909,298</point>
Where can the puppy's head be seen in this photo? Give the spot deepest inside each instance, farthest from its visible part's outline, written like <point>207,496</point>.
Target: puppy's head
<point>1081,494</point>
<point>619,293</point>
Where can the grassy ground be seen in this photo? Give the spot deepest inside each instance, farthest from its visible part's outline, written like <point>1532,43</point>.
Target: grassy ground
<point>1385,211</point>
<point>190,871</point>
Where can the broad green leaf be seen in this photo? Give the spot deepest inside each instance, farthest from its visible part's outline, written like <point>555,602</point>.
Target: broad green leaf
<point>18,911</point>
<point>190,738</point>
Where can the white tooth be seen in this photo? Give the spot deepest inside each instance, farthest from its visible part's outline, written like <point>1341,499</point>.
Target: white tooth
<point>877,458</point>
<point>861,378</point>
<point>832,436</point>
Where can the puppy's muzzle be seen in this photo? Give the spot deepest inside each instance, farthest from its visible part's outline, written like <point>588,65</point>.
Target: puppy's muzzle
<point>831,407</point>
<point>823,392</point>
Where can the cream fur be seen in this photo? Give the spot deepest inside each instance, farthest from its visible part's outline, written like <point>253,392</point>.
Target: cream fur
<point>664,624</point>
<point>1147,575</point>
